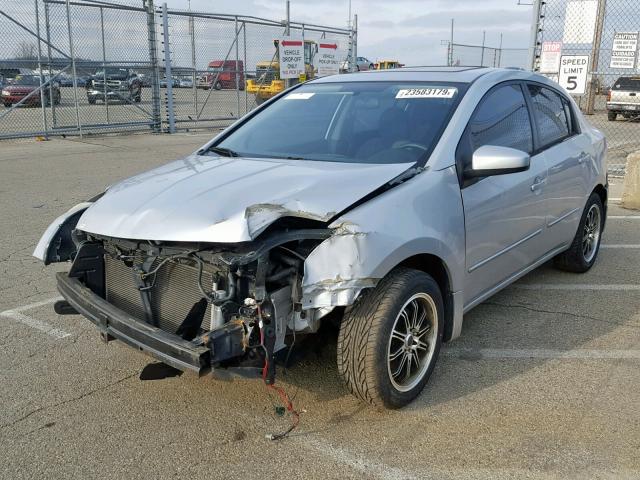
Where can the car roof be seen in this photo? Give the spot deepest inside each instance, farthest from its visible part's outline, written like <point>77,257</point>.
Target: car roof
<point>425,74</point>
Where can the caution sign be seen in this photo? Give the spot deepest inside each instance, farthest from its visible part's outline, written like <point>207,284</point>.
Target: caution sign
<point>328,58</point>
<point>573,73</point>
<point>624,49</point>
<point>291,51</point>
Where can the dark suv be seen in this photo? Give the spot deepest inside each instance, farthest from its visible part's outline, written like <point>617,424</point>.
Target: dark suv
<point>121,85</point>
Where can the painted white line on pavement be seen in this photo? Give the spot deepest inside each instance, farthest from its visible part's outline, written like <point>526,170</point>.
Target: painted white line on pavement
<point>498,353</point>
<point>616,199</point>
<point>34,305</point>
<point>578,286</point>
<point>623,217</point>
<point>369,468</point>
<point>33,323</point>
<point>619,246</point>
<point>17,315</point>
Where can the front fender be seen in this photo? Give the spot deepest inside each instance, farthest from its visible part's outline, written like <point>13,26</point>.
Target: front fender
<point>422,216</point>
<point>56,244</point>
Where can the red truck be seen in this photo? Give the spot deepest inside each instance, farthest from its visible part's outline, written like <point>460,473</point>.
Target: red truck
<point>223,74</point>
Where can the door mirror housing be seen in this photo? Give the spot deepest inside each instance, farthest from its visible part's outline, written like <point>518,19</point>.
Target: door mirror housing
<point>494,160</point>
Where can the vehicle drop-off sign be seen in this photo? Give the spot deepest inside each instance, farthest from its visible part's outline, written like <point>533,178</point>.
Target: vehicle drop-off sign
<point>573,73</point>
<point>291,52</point>
<point>328,58</point>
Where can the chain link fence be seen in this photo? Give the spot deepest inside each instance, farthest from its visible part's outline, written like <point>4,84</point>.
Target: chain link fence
<point>591,48</point>
<point>483,56</point>
<point>88,66</point>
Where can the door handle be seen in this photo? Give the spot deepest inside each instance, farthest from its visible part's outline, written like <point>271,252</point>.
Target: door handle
<point>582,158</point>
<point>537,183</point>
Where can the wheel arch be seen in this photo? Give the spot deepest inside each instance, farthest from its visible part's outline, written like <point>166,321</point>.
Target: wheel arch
<point>603,193</point>
<point>436,268</point>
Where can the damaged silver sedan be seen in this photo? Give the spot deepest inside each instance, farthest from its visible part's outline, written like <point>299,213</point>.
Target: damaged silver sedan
<point>388,202</point>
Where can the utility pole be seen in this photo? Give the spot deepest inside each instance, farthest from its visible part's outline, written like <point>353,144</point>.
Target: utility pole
<point>484,37</point>
<point>595,57</point>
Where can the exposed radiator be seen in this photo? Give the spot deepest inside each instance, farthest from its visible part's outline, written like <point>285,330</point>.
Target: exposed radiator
<point>174,293</point>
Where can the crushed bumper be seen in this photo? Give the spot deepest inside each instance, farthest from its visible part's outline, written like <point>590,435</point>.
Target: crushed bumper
<point>111,321</point>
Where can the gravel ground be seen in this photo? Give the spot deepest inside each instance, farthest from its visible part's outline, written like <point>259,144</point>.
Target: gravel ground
<point>543,383</point>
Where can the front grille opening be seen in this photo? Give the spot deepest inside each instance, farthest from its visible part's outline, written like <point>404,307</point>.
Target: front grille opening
<point>174,293</point>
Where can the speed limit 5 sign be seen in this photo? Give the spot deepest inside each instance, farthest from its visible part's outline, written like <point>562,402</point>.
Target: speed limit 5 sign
<point>573,73</point>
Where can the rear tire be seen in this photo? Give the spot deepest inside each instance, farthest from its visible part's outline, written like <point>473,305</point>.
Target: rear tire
<point>7,104</point>
<point>586,244</point>
<point>218,86</point>
<point>91,100</point>
<point>611,116</point>
<point>390,329</point>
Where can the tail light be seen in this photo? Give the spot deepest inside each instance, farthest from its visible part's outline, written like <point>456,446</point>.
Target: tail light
<point>609,95</point>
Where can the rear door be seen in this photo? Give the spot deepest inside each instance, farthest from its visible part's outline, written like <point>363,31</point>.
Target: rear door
<point>504,214</point>
<point>569,156</point>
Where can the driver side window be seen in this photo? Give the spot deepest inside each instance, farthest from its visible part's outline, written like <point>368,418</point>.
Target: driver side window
<point>502,119</point>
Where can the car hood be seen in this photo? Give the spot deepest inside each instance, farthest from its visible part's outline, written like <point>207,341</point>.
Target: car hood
<point>229,200</point>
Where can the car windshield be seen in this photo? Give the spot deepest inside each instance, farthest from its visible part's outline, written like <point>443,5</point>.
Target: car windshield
<point>627,83</point>
<point>361,122</point>
<point>27,80</point>
<point>215,69</point>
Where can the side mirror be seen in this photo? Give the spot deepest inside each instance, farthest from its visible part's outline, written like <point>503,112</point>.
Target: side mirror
<point>493,160</point>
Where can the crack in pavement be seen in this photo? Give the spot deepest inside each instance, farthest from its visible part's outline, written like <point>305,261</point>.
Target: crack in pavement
<point>560,312</point>
<point>70,400</point>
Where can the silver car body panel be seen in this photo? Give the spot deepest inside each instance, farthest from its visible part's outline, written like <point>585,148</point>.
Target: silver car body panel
<point>40,252</point>
<point>229,200</point>
<point>533,215</point>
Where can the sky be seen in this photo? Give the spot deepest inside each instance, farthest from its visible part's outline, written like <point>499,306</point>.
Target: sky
<point>406,30</point>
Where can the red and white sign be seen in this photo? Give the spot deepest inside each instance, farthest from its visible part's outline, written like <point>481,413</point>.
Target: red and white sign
<point>291,51</point>
<point>550,57</point>
<point>328,58</point>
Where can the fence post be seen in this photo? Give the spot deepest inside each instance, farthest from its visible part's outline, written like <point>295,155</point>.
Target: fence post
<point>535,28</point>
<point>167,70</point>
<point>355,37</point>
<point>194,77</point>
<point>153,59</point>
<point>595,57</point>
<point>237,72</point>
<point>104,66</point>
<point>51,97</point>
<point>48,33</point>
<point>73,69</point>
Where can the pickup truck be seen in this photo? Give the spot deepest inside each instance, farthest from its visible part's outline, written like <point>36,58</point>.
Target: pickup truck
<point>624,98</point>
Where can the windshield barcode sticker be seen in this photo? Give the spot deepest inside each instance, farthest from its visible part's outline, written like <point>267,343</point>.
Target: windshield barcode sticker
<point>435,92</point>
<point>299,96</point>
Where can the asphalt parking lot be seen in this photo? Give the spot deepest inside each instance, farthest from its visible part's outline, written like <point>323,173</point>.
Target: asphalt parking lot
<point>543,383</point>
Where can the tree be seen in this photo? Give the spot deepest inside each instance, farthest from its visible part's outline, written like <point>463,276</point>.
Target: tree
<point>26,50</point>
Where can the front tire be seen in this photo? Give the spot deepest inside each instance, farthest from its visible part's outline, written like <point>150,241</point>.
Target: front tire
<point>390,338</point>
<point>218,86</point>
<point>611,116</point>
<point>586,244</point>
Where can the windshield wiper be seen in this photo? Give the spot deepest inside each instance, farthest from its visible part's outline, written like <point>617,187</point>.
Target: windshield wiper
<point>225,152</point>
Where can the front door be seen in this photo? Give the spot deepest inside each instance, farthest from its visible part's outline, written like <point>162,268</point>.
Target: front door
<point>504,214</point>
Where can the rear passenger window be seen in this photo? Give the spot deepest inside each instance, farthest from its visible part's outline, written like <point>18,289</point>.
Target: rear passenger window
<point>502,120</point>
<point>550,114</point>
